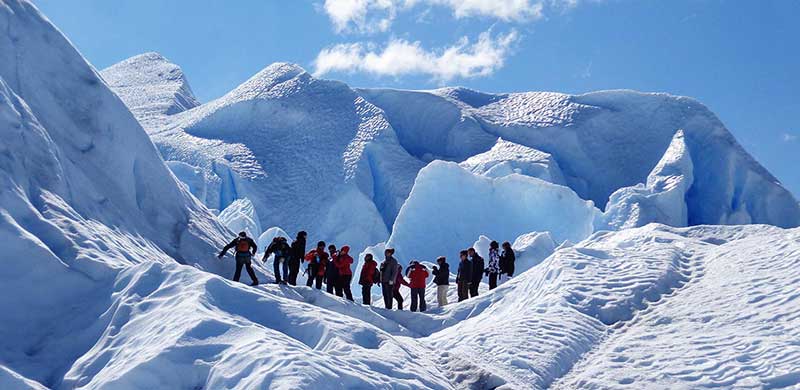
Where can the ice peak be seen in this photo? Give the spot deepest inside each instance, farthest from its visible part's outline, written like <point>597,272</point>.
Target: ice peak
<point>151,86</point>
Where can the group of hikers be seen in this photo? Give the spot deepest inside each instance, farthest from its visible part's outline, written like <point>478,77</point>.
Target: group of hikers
<point>332,267</point>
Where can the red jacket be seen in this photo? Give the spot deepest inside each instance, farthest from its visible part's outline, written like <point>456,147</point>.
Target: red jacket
<point>343,261</point>
<point>323,260</point>
<point>418,275</point>
<point>367,271</point>
<point>400,279</point>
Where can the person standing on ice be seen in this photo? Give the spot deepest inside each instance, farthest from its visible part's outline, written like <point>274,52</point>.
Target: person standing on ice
<point>316,259</point>
<point>331,272</point>
<point>418,275</point>
<point>507,259</point>
<point>388,276</point>
<point>281,250</point>
<point>245,250</point>
<point>478,267</point>
<point>464,276</point>
<point>400,281</point>
<point>369,276</point>
<point>493,270</point>
<point>441,276</point>
<point>298,251</point>
<point>342,264</point>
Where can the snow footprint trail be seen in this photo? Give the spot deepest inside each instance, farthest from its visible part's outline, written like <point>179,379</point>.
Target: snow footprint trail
<point>734,327</point>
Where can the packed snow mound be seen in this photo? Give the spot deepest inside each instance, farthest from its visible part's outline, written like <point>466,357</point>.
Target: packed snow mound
<point>662,199</point>
<point>506,158</point>
<point>152,87</point>
<point>309,154</point>
<point>727,327</point>
<point>601,141</point>
<point>169,326</point>
<point>531,249</point>
<point>241,216</point>
<point>450,207</point>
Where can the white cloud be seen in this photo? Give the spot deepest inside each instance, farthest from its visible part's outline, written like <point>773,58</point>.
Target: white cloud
<point>400,57</point>
<point>357,12</point>
<point>345,14</point>
<point>787,137</point>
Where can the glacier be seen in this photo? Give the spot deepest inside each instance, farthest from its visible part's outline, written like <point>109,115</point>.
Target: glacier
<point>602,145</point>
<point>110,226</point>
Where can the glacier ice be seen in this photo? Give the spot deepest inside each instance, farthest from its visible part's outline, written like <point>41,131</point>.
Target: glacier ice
<point>241,216</point>
<point>601,141</point>
<point>450,207</point>
<point>662,198</point>
<point>308,153</point>
<point>505,158</point>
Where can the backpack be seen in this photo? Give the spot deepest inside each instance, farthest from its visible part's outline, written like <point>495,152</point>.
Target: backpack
<point>376,275</point>
<point>242,246</point>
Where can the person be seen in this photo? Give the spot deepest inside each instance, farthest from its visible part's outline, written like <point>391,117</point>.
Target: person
<point>282,250</point>
<point>369,276</point>
<point>441,276</point>
<point>316,259</point>
<point>507,259</point>
<point>418,277</point>
<point>298,252</point>
<point>388,277</point>
<point>331,273</point>
<point>400,281</point>
<point>245,250</point>
<point>477,272</point>
<point>464,276</point>
<point>493,269</point>
<point>342,264</point>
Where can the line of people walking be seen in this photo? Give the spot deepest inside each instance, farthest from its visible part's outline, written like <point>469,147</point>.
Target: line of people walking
<point>332,268</point>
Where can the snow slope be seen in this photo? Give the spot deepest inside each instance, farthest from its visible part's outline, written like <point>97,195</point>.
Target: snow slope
<point>83,194</point>
<point>152,87</point>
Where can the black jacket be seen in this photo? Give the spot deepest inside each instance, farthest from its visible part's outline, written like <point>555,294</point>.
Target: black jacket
<point>464,271</point>
<point>478,267</point>
<point>280,249</point>
<point>441,275</point>
<point>298,249</point>
<point>507,259</point>
<point>235,242</point>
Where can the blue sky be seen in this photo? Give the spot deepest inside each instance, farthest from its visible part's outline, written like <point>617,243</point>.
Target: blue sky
<point>741,58</point>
